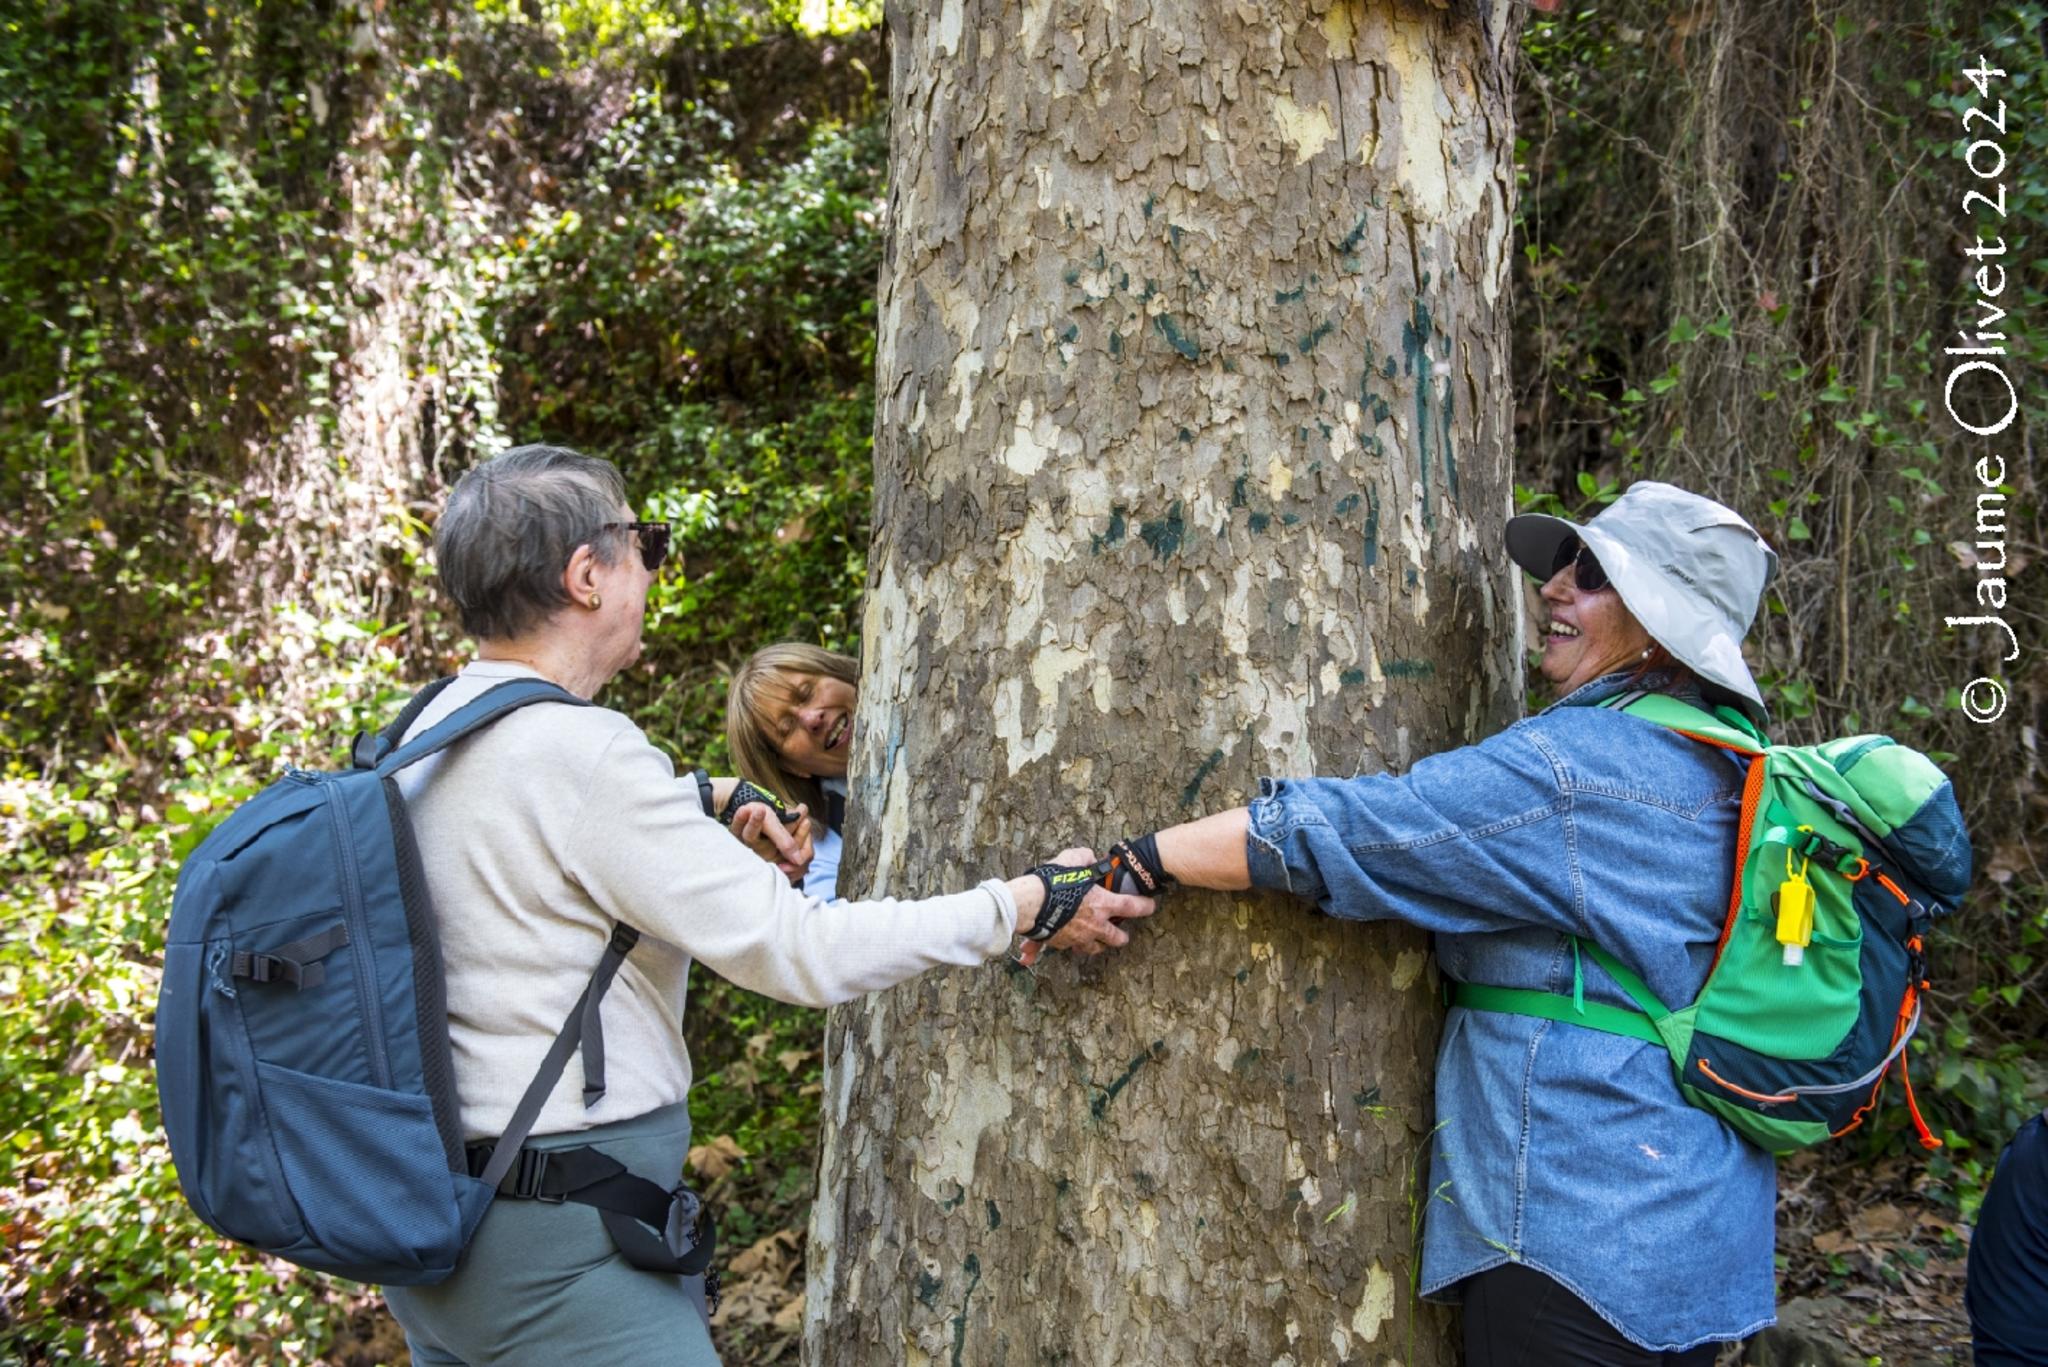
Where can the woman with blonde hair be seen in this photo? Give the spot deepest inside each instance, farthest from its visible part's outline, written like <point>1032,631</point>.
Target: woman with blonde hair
<point>789,721</point>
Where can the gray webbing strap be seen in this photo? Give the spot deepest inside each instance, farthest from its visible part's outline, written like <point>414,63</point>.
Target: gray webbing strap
<point>694,1288</point>
<point>624,937</point>
<point>582,1016</point>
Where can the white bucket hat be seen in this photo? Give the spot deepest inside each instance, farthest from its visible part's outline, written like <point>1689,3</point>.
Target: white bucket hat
<point>1691,571</point>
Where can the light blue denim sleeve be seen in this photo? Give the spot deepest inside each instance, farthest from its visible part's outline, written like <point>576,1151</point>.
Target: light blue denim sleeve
<point>1474,840</point>
<point>821,880</point>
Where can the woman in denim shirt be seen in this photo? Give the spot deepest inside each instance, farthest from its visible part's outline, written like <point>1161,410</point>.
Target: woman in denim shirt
<point>1591,1215</point>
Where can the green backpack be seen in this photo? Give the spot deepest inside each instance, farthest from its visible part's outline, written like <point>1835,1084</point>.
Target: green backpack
<point>1846,853</point>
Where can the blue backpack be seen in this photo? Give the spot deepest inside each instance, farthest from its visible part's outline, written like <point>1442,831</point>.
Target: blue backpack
<point>302,1038</point>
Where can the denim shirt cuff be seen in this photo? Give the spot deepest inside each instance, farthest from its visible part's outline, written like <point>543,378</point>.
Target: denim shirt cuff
<point>1274,817</point>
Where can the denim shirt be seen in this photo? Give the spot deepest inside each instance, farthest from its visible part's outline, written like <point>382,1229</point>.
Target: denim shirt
<point>1567,1149</point>
<point>821,880</point>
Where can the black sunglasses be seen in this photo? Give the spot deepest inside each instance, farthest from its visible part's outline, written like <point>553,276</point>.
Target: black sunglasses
<point>1586,571</point>
<point>653,537</point>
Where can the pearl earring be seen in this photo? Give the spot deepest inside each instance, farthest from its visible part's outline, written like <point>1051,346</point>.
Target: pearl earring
<point>597,601</point>
<point>1646,653</point>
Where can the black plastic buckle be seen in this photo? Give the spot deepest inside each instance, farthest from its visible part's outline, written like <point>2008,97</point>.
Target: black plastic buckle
<point>1814,845</point>
<point>268,968</point>
<point>528,1172</point>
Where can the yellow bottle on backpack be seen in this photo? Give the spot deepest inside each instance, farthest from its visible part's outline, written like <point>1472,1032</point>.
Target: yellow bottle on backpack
<point>1794,904</point>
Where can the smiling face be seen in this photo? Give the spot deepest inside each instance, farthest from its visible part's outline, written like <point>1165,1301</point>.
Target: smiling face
<point>1590,633</point>
<point>808,718</point>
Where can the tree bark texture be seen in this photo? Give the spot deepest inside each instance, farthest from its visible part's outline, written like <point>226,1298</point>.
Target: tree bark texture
<point>1191,466</point>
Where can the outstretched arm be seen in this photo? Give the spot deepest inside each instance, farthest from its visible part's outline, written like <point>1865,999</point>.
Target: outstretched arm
<point>1472,840</point>
<point>1210,852</point>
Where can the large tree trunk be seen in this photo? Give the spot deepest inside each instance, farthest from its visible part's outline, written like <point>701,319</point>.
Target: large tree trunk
<point>1191,464</point>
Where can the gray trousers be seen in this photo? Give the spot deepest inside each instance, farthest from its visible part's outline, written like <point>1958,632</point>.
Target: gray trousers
<point>542,1284</point>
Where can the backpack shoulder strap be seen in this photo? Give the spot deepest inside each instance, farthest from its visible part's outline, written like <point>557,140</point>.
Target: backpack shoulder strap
<point>1630,981</point>
<point>1661,709</point>
<point>372,746</point>
<point>474,715</point>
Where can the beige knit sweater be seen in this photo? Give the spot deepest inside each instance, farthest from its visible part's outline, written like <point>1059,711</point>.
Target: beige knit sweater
<point>541,832</point>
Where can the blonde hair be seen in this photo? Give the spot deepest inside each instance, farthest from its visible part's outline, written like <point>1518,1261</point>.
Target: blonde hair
<point>754,685</point>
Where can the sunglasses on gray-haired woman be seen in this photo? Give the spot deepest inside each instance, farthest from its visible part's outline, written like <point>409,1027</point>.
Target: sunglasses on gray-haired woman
<point>652,537</point>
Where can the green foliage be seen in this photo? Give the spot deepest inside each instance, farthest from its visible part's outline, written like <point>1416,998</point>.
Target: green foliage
<point>686,287</point>
<point>713,333</point>
<point>172,287</point>
<point>106,1262</point>
<point>758,1081</point>
<point>592,31</point>
<point>1624,380</point>
<point>157,237</point>
<point>173,295</point>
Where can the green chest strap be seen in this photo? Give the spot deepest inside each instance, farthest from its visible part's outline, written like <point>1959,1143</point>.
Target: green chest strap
<point>1575,1009</point>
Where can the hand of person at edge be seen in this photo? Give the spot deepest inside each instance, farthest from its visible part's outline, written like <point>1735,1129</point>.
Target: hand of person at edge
<point>1094,927</point>
<point>788,848</point>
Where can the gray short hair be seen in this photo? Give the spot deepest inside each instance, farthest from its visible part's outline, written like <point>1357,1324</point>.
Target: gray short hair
<point>511,525</point>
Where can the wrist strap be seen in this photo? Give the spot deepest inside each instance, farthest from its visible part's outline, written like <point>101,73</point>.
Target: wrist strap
<point>704,792</point>
<point>1134,866</point>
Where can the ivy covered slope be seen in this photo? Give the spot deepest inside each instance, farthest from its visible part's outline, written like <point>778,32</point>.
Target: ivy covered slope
<point>270,278</point>
<point>708,324</point>
<point>173,293</point>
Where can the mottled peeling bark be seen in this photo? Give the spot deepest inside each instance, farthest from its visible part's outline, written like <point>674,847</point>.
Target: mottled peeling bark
<point>1191,465</point>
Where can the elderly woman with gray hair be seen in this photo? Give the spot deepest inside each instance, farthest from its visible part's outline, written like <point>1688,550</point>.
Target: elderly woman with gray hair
<point>550,837</point>
<point>1581,1209</point>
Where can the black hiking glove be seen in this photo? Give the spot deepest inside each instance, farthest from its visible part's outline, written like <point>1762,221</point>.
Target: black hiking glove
<point>1066,887</point>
